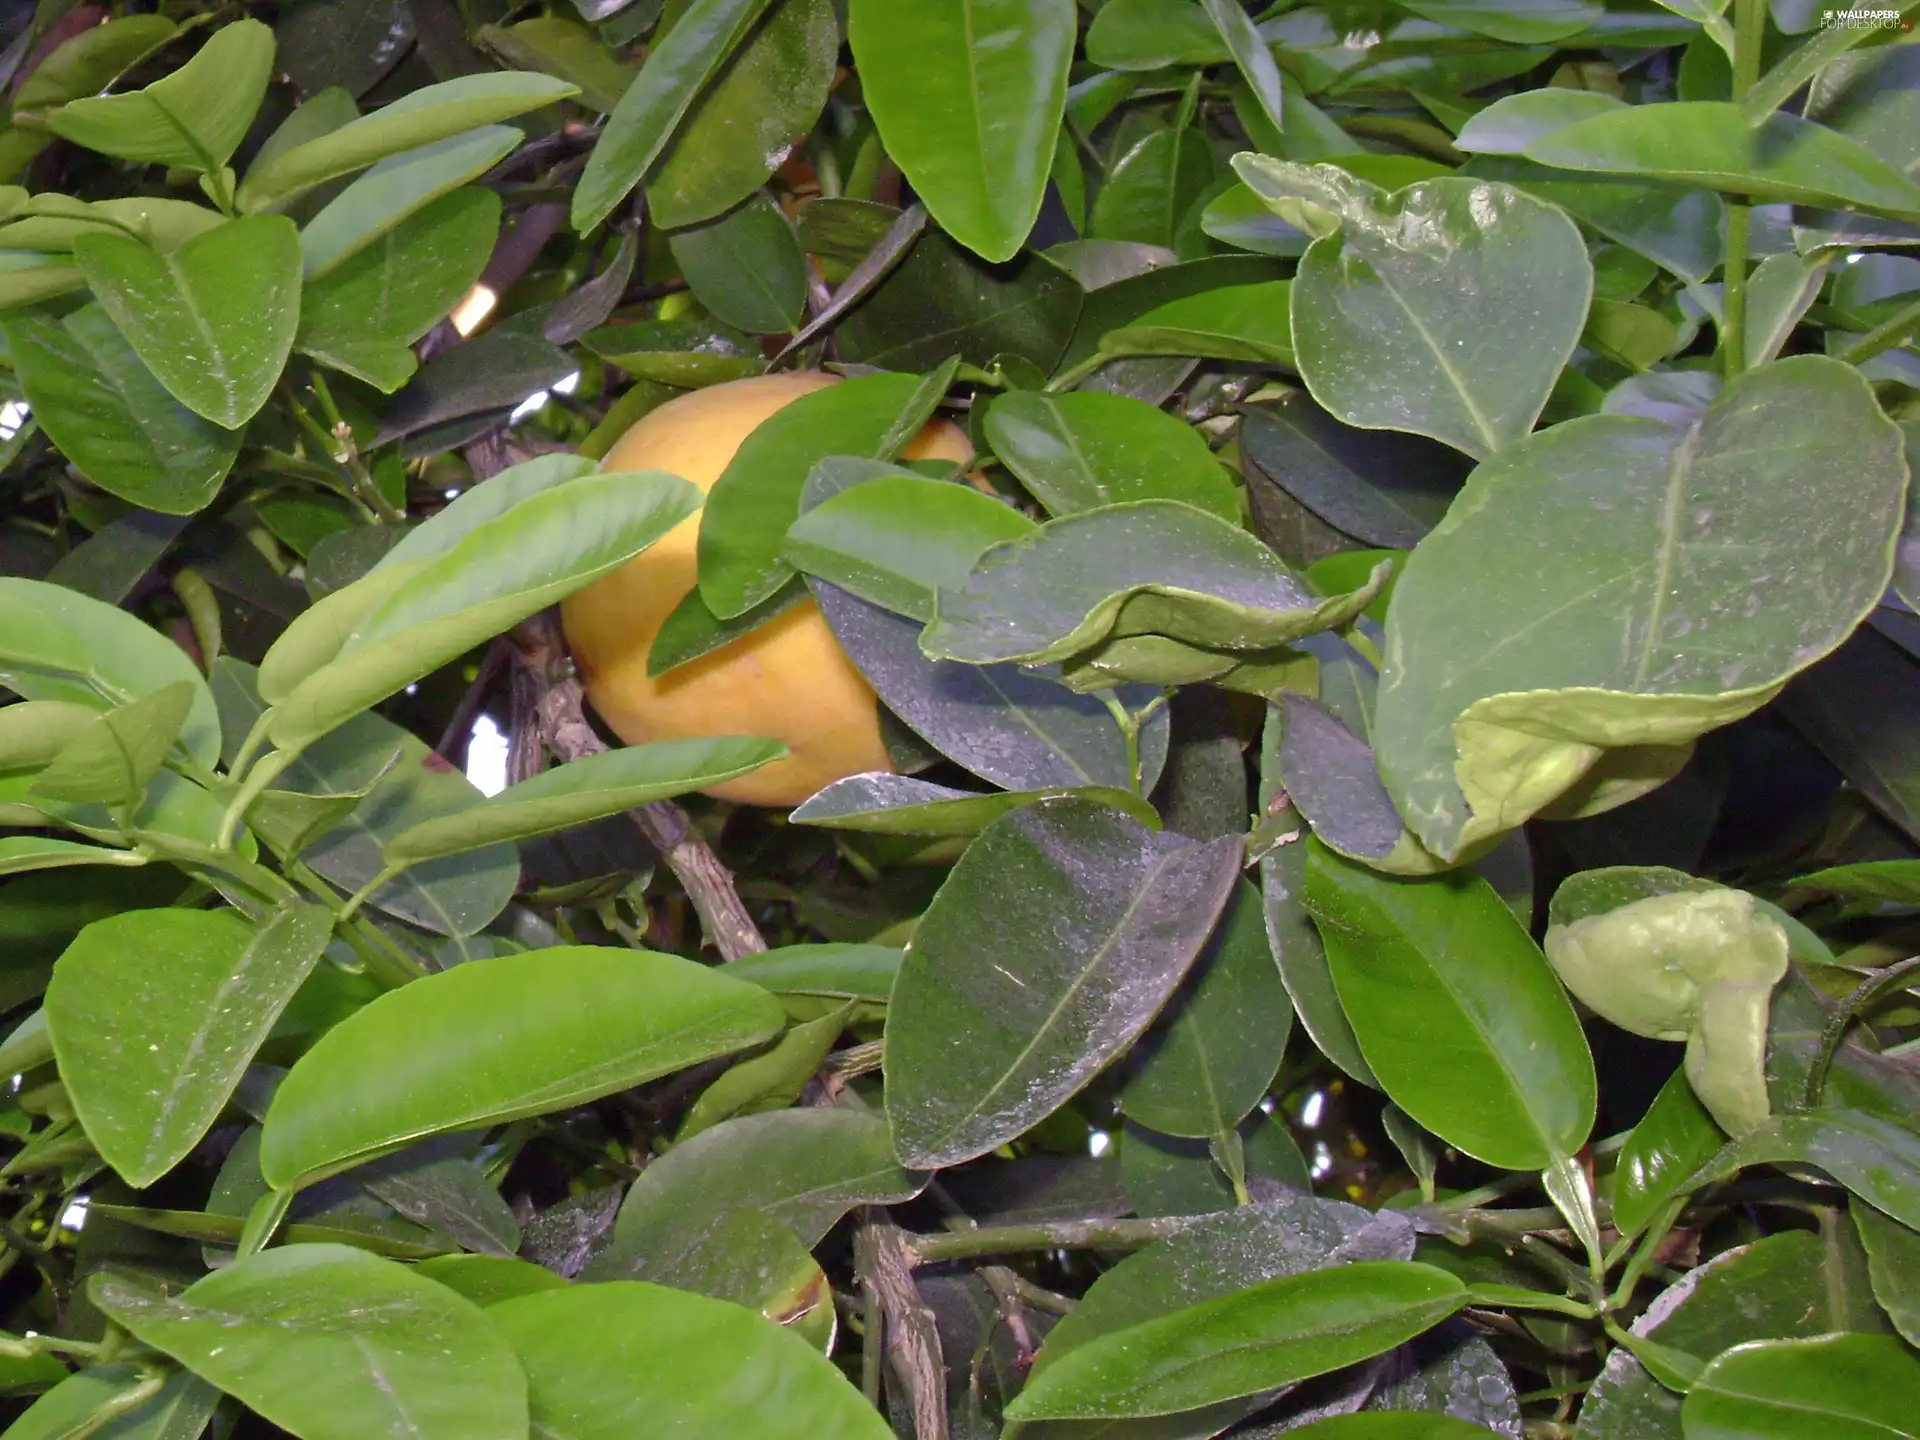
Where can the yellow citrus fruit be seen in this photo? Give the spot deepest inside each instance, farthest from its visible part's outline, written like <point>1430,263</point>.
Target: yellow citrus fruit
<point>788,680</point>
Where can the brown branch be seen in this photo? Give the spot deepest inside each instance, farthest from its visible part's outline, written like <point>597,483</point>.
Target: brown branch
<point>884,1263</point>
<point>560,705</point>
<point>453,740</point>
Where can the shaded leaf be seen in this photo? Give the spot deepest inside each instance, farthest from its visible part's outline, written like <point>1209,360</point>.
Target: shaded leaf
<point>1082,450</point>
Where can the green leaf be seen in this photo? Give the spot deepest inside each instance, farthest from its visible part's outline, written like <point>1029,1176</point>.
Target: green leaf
<point>1150,188</point>
<point>1268,1334</point>
<point>896,539</point>
<point>1837,1385</point>
<point>741,1257</point>
<point>196,117</point>
<point>1531,22</point>
<point>857,972</point>
<point>104,1401</point>
<point>1876,1160</point>
<point>87,64</point>
<point>32,732</point>
<point>112,418</point>
<point>154,1015</point>
<point>746,267</point>
<point>586,789</point>
<point>57,644</point>
<point>968,98</point>
<point>363,316</point>
<point>1082,450</point>
<point>1012,727</point>
<point>1251,55</point>
<point>438,1184</point>
<point>394,191</point>
<point>535,553</point>
<point>1328,774</point>
<point>110,759</point>
<point>488,1279</point>
<point>606,1361</point>
<point>1404,308</point>
<point>882,804</point>
<point>1710,143</point>
<point>21,853</point>
<point>556,1028</point>
<point>803,1169</point>
<point>742,125</point>
<point>565,49</point>
<point>213,320</point>
<point>421,117</point>
<point>1112,303</point>
<point>676,69</point>
<point>1690,607</point>
<point>1149,34</point>
<point>1391,1425</point>
<point>757,496</point>
<point>1045,1004</point>
<point>1440,967</point>
<point>1144,568</point>
<point>1893,1260</point>
<point>1248,323</point>
<point>1673,1140</point>
<point>1211,1056</point>
<point>405,783</point>
<point>331,1343</point>
<point>941,300</point>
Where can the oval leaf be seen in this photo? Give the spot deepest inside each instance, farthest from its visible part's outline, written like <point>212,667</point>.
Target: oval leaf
<point>1084,449</point>
<point>1057,937</point>
<point>496,1039</point>
<point>1837,1385</point>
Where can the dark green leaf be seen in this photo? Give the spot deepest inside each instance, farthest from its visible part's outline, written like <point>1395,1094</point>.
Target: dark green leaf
<point>112,419</point>
<point>567,50</point>
<point>1440,967</point>
<point>1672,1141</point>
<point>1060,933</point>
<point>1251,54</point>
<point>437,1184</point>
<point>746,267</point>
<point>495,1039</point>
<point>215,319</point>
<point>743,125</point>
<point>1876,1160</point>
<point>644,120</point>
<point>1248,323</point>
<point>1893,1261</point>
<point>885,804</point>
<point>1519,566</point>
<point>1529,22</point>
<point>1149,34</point>
<point>332,1343</point>
<point>1082,450</point>
<point>968,98</point>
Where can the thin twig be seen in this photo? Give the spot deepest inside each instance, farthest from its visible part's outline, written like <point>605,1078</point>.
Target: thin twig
<point>563,725</point>
<point>1046,1235</point>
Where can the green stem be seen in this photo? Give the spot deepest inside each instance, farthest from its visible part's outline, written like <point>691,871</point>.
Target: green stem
<point>1864,996</point>
<point>1129,725</point>
<point>250,747</point>
<point>1074,374</point>
<point>1047,1235</point>
<point>258,779</point>
<point>1884,336</point>
<point>360,896</point>
<point>1750,25</point>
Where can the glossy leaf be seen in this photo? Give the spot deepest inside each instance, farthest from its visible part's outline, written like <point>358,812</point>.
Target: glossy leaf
<point>1391,1425</point>
<point>803,1169</point>
<point>1673,1140</point>
<point>495,1039</point>
<point>1466,754</point>
<point>1528,23</point>
<point>1249,323</point>
<point>883,804</point>
<point>1440,967</point>
<point>746,267</point>
<point>109,759</point>
<point>968,97</point>
<point>363,316</point>
<point>215,319</point>
<point>331,1343</point>
<point>590,788</point>
<point>1059,934</point>
<point>1013,727</point>
<point>644,120</point>
<point>1148,567</point>
<point>1149,34</point>
<point>154,1014</point>
<point>1151,187</point>
<point>1893,1261</point>
<point>1876,1160</point>
<point>423,117</point>
<point>488,1279</point>
<point>1300,1325</point>
<point>195,117</point>
<point>1250,53</point>
<point>1711,144</point>
<point>1675,226</point>
<point>1838,1385</point>
<point>1205,1065</point>
<point>88,63</point>
<point>743,125</point>
<point>112,419</point>
<point>1081,450</point>
<point>757,496</point>
<point>605,1360</point>
<point>542,549</point>
<point>57,644</point>
<point>1396,324</point>
<point>831,971</point>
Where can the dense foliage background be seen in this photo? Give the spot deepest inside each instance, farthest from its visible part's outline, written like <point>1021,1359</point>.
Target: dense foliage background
<point>1391,914</point>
